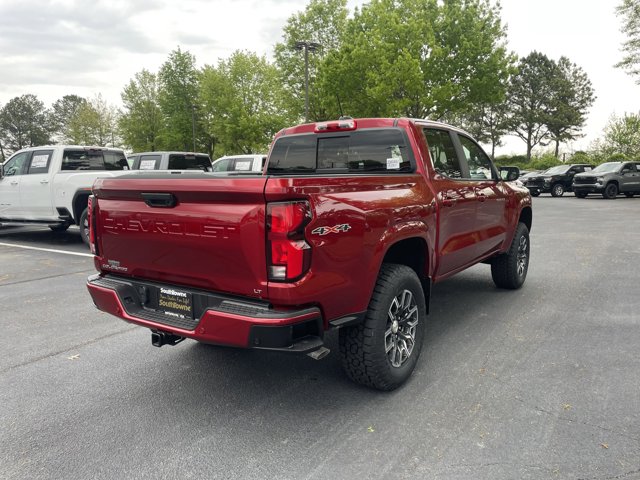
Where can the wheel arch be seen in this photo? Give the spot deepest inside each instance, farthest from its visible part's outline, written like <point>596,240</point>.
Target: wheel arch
<point>526,217</point>
<point>80,201</point>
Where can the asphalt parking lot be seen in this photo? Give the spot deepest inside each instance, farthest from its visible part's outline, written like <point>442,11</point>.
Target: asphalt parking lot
<point>543,382</point>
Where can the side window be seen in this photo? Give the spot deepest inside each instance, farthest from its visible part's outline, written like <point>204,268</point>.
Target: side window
<point>222,165</point>
<point>587,168</point>
<point>443,153</point>
<point>480,167</point>
<point>149,162</point>
<point>15,165</point>
<point>40,161</point>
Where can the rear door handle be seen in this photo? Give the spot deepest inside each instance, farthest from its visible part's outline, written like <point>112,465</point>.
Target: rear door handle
<point>449,202</point>
<point>14,183</point>
<point>44,182</point>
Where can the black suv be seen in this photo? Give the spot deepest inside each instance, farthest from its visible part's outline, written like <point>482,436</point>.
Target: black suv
<point>556,180</point>
<point>609,179</point>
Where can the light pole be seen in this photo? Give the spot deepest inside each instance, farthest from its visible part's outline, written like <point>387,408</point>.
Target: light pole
<point>307,47</point>
<point>193,125</point>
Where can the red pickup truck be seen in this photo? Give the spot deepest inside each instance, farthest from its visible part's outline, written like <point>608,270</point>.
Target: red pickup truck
<point>347,227</point>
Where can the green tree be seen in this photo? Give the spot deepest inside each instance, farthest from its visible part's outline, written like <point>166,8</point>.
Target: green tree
<point>419,58</point>
<point>629,10</point>
<point>62,111</point>
<point>622,136</point>
<point>322,22</point>
<point>95,123</point>
<point>178,93</point>
<point>244,99</point>
<point>141,123</point>
<point>24,122</point>
<point>572,96</point>
<point>487,123</point>
<point>529,97</point>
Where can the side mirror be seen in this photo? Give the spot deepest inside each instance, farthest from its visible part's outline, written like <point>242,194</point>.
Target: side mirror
<point>509,174</point>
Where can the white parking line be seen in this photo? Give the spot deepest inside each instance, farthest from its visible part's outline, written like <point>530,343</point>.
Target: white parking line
<point>66,252</point>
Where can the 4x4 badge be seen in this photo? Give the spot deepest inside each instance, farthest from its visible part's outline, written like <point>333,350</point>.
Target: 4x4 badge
<point>335,229</point>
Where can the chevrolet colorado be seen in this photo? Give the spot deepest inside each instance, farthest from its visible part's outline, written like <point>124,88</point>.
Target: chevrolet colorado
<point>347,227</point>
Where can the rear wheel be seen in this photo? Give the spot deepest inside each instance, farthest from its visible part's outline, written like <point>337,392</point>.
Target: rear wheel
<point>509,270</point>
<point>611,191</point>
<point>84,227</point>
<point>534,193</point>
<point>557,190</point>
<point>382,351</point>
<point>581,194</point>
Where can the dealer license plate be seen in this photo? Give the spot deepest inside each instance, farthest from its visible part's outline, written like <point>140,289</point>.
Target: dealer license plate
<point>175,303</point>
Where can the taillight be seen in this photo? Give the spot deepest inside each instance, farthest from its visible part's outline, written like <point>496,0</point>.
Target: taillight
<point>289,255</point>
<point>90,221</point>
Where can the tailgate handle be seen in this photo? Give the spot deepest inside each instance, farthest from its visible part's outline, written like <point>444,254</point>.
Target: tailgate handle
<point>159,200</point>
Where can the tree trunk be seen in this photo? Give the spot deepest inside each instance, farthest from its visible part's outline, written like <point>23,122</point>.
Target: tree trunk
<point>557,147</point>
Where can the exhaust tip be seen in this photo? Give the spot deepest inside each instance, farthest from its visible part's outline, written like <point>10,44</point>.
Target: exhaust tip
<point>320,353</point>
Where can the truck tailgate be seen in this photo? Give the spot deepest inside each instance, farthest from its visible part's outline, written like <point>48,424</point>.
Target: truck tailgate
<point>200,231</point>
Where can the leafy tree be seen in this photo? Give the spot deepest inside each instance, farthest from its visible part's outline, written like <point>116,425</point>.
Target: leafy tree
<point>245,101</point>
<point>487,123</point>
<point>419,58</point>
<point>95,123</point>
<point>62,111</point>
<point>24,122</point>
<point>629,10</point>
<point>622,136</point>
<point>530,93</point>
<point>178,93</point>
<point>141,123</point>
<point>572,96</point>
<point>322,22</point>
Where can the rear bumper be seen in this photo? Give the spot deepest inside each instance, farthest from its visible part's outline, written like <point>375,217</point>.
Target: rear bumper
<point>218,319</point>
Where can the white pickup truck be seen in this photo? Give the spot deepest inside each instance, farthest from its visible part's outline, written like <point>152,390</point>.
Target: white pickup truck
<point>51,184</point>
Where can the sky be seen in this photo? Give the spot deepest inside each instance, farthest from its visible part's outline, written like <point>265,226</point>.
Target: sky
<point>88,47</point>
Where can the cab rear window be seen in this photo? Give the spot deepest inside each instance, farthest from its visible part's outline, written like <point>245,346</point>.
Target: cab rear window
<point>373,150</point>
<point>93,160</point>
<point>189,162</point>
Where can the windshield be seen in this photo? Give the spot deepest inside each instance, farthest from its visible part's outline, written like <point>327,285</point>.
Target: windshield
<point>560,169</point>
<point>607,167</point>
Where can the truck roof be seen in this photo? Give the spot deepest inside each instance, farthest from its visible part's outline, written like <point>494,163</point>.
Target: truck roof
<point>373,123</point>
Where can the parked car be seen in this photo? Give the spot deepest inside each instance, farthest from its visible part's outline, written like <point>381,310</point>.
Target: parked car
<point>51,184</point>
<point>555,180</point>
<point>240,163</point>
<point>170,161</point>
<point>347,231</point>
<point>609,179</point>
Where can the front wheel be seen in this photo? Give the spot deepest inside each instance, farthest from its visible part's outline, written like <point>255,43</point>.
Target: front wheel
<point>509,270</point>
<point>382,351</point>
<point>611,191</point>
<point>557,190</point>
<point>84,226</point>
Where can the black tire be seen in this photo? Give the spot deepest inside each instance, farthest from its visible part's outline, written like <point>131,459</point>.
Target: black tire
<point>59,227</point>
<point>629,195</point>
<point>84,227</point>
<point>369,350</point>
<point>557,190</point>
<point>581,194</point>
<point>535,193</point>
<point>509,270</point>
<point>610,191</point>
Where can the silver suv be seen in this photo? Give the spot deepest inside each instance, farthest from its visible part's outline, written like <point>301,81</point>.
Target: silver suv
<point>609,179</point>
